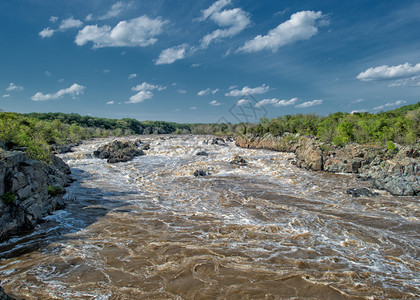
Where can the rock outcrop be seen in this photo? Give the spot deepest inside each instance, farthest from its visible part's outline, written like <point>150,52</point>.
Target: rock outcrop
<point>121,151</point>
<point>397,173</point>
<point>4,296</point>
<point>29,190</point>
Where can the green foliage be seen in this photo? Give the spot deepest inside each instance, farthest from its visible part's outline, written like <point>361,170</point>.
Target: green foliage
<point>400,126</point>
<point>9,198</point>
<point>55,190</point>
<point>390,146</point>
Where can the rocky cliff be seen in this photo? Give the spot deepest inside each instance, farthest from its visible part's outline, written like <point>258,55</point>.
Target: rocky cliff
<point>29,190</point>
<point>395,171</point>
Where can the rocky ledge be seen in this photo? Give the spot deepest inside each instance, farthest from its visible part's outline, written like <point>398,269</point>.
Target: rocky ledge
<point>396,171</point>
<point>121,151</point>
<point>29,190</point>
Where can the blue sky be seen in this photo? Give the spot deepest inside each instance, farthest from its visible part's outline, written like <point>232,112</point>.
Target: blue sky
<point>208,61</point>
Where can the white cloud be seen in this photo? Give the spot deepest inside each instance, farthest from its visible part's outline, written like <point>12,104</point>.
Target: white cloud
<point>390,104</point>
<point>386,72</point>
<point>411,81</point>
<point>144,92</point>
<point>6,95</point>
<point>301,26</point>
<point>215,103</point>
<point>140,32</point>
<point>249,91</point>
<point>46,33</point>
<point>147,87</point>
<point>70,23</point>
<point>242,102</point>
<point>106,71</point>
<point>110,102</point>
<point>74,90</point>
<point>180,91</point>
<point>170,55</point>
<point>47,73</point>
<point>116,10</point>
<point>233,20</point>
<point>358,100</point>
<point>53,19</point>
<point>195,65</point>
<point>276,102</point>
<point>131,76</point>
<point>309,104</point>
<point>193,108</point>
<point>358,111</point>
<point>14,87</point>
<point>207,92</point>
<point>140,97</point>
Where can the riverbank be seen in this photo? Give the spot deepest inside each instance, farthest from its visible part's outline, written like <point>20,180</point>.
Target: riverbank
<point>29,190</point>
<point>394,169</point>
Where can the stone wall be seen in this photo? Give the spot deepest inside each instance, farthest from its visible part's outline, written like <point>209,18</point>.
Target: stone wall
<point>29,190</point>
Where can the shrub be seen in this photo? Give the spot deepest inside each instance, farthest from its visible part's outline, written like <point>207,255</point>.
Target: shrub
<point>9,198</point>
<point>55,190</point>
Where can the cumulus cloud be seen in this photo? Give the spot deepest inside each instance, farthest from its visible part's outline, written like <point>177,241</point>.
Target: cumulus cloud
<point>249,91</point>
<point>144,92</point>
<point>309,104</point>
<point>207,92</point>
<point>241,102</point>
<point>70,23</point>
<point>358,111</point>
<point>74,90</point>
<point>180,91</point>
<point>110,102</point>
<point>215,103</point>
<point>140,32</point>
<point>6,95</point>
<point>170,55</point>
<point>193,108</point>
<point>232,20</point>
<point>140,97</point>
<point>53,19</point>
<point>390,104</point>
<point>116,10</point>
<point>301,26</point>
<point>46,33</point>
<point>276,102</point>
<point>131,76</point>
<point>386,72</point>
<point>14,87</point>
<point>147,87</point>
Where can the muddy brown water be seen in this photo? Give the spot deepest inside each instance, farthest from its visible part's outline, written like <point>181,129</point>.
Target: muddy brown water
<point>149,229</point>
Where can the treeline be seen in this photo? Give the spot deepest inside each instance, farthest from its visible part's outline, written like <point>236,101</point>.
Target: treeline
<point>400,125</point>
<point>38,131</point>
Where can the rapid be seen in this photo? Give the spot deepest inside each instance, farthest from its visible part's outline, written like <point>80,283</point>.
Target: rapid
<point>149,229</point>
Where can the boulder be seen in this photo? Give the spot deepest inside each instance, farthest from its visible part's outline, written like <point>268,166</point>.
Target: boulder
<point>119,151</point>
<point>360,192</point>
<point>202,153</point>
<point>201,173</point>
<point>238,160</point>
<point>4,296</point>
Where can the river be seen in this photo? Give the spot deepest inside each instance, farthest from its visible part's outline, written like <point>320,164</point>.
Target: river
<point>149,229</point>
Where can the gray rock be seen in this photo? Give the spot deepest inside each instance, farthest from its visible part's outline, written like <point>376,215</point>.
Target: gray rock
<point>360,192</point>
<point>201,173</point>
<point>119,151</point>
<point>239,160</point>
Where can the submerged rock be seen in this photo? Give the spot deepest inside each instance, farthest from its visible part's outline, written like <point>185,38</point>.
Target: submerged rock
<point>239,160</point>
<point>202,153</point>
<point>360,192</point>
<point>120,151</point>
<point>201,173</point>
